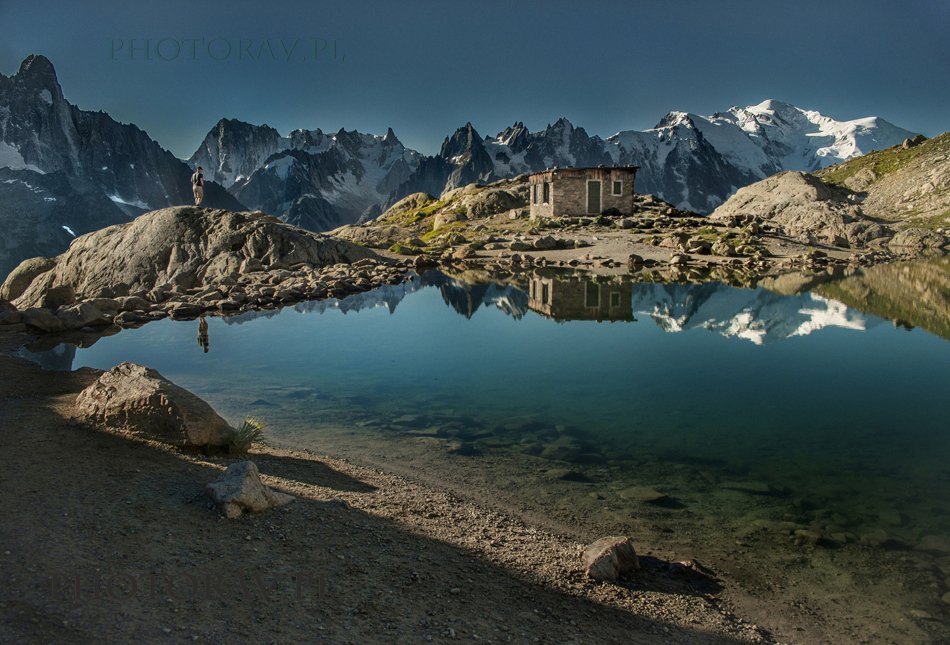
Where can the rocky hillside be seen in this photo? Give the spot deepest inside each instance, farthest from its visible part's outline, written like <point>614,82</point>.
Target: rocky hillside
<point>898,197</point>
<point>489,219</point>
<point>170,251</point>
<point>907,184</point>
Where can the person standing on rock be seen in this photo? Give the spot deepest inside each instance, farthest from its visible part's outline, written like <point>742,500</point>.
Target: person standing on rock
<point>197,184</point>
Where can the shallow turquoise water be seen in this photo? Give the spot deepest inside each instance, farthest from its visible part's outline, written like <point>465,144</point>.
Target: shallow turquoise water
<point>785,389</point>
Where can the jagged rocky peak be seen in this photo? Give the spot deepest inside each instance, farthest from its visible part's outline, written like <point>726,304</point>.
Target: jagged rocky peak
<point>516,137</point>
<point>235,127</point>
<point>390,139</point>
<point>464,140</point>
<point>38,71</point>
<point>562,129</point>
<point>310,140</point>
<point>233,149</point>
<point>351,141</point>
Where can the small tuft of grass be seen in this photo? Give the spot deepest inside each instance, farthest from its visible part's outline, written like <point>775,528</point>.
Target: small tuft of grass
<point>249,432</point>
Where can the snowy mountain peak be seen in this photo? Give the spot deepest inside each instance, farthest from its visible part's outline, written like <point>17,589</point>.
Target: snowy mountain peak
<point>674,119</point>
<point>772,105</point>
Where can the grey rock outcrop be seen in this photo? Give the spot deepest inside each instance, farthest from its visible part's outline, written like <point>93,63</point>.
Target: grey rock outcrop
<point>21,277</point>
<point>447,217</point>
<point>803,205</point>
<point>919,238</point>
<point>491,200</point>
<point>610,557</point>
<point>139,400</point>
<point>239,489</point>
<point>8,313</point>
<point>183,247</point>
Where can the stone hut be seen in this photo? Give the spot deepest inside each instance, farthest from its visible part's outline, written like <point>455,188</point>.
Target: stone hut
<point>572,192</point>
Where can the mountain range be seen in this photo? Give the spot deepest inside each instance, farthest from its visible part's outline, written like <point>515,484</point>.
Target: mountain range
<point>66,171</point>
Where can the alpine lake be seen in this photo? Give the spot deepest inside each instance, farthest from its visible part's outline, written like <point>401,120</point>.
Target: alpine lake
<point>779,426</point>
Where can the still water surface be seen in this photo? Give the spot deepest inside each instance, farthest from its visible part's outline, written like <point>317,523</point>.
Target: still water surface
<point>799,392</point>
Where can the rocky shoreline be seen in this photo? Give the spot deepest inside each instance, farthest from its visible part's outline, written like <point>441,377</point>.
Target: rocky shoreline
<point>360,555</point>
<point>183,263</point>
<point>37,299</point>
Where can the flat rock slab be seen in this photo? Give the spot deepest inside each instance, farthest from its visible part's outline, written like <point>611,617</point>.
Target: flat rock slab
<point>140,400</point>
<point>644,494</point>
<point>610,557</point>
<point>751,487</point>
<point>239,489</point>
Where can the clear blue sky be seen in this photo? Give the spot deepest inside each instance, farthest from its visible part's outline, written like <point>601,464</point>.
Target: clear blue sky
<point>425,68</point>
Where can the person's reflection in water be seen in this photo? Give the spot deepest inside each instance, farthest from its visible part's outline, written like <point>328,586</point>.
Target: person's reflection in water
<point>203,333</point>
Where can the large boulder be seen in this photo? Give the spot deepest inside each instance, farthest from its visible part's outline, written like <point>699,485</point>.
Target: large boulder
<point>239,489</point>
<point>184,246</point>
<point>495,199</point>
<point>413,202</point>
<point>56,297</point>
<point>139,400</point>
<point>42,319</point>
<point>610,557</point>
<point>82,314</point>
<point>8,313</point>
<point>21,277</point>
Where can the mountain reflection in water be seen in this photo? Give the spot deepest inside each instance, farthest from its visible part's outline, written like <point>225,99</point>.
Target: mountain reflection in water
<point>910,294</point>
<point>756,314</point>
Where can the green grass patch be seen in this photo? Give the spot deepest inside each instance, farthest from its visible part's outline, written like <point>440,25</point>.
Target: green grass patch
<point>431,208</point>
<point>933,222</point>
<point>431,235</point>
<point>403,249</point>
<point>882,162</point>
